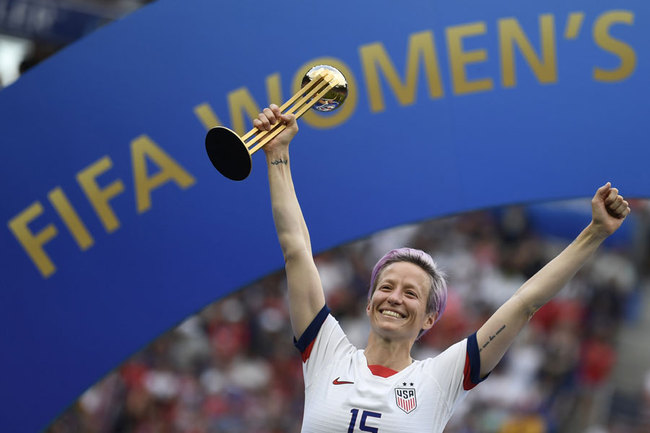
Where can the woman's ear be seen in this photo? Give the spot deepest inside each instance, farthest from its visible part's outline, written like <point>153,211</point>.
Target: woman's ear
<point>429,321</point>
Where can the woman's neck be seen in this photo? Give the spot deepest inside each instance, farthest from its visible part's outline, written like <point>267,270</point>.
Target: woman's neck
<point>395,355</point>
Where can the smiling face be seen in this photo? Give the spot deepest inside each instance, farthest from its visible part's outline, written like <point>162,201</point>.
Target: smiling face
<point>397,308</point>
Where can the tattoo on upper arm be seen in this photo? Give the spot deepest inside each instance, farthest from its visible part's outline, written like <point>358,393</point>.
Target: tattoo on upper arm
<point>280,161</point>
<point>492,337</point>
<point>534,310</point>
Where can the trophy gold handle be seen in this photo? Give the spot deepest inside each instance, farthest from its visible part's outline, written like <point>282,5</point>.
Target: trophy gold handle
<point>231,154</point>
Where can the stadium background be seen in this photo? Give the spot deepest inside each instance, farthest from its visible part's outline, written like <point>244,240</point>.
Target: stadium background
<point>580,366</point>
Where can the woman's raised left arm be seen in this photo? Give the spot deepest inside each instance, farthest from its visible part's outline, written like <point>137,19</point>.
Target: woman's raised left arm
<point>609,210</point>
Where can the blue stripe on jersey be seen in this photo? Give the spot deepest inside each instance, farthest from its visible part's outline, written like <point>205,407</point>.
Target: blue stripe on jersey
<point>312,330</point>
<point>474,360</point>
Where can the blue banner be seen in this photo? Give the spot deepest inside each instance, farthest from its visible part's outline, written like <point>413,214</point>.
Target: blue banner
<point>117,226</point>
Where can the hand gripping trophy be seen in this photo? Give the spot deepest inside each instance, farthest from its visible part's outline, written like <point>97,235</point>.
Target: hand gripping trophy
<point>324,88</point>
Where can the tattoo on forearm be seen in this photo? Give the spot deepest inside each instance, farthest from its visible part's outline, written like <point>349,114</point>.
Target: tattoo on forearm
<point>492,337</point>
<point>280,161</point>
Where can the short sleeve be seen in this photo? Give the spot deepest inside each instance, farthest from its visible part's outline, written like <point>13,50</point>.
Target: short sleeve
<point>321,344</point>
<point>456,370</point>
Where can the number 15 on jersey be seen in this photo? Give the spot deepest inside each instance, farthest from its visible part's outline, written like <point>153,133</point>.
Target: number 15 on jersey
<point>362,424</point>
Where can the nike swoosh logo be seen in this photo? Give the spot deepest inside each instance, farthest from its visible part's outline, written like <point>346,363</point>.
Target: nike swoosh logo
<point>340,382</point>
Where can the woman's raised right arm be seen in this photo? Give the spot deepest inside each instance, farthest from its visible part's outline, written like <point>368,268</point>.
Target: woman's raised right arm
<point>306,297</point>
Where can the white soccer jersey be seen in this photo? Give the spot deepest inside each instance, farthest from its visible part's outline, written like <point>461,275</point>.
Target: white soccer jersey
<point>343,394</point>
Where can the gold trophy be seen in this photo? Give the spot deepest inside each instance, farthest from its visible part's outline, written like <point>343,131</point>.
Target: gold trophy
<point>324,88</point>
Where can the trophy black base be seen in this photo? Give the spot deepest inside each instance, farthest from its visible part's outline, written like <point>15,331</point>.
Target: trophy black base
<point>228,153</point>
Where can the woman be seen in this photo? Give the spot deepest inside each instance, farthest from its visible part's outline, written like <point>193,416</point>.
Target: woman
<point>382,389</point>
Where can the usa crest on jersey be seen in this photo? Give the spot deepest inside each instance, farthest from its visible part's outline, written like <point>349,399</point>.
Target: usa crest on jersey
<point>405,399</point>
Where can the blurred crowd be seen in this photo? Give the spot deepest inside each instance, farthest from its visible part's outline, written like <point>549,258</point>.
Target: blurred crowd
<point>233,368</point>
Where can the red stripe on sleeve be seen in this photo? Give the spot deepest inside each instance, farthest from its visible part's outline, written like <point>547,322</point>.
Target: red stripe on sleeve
<point>307,352</point>
<point>467,381</point>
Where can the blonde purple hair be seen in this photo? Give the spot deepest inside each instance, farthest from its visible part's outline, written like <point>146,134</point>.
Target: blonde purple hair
<point>437,299</point>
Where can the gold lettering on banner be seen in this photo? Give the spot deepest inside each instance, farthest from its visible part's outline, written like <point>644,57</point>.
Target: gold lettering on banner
<point>143,152</point>
<point>33,242</point>
<point>70,218</point>
<point>206,116</point>
<point>574,24</point>
<point>380,74</point>
<point>511,34</point>
<point>99,197</point>
<point>338,117</point>
<point>459,58</point>
<point>170,170</point>
<point>241,100</point>
<point>605,41</point>
<point>274,89</point>
<point>373,57</point>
